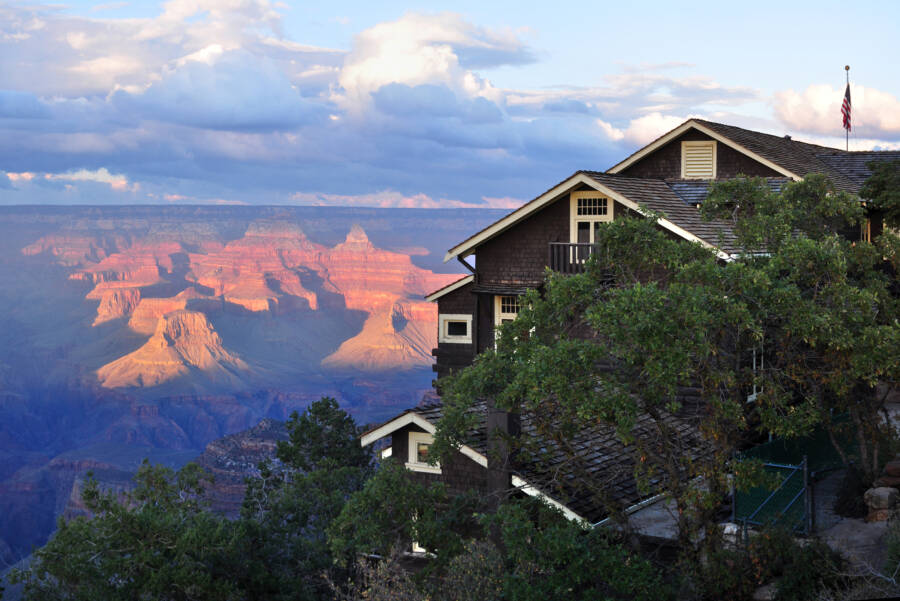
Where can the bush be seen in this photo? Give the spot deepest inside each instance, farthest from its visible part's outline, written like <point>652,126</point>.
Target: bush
<point>849,502</point>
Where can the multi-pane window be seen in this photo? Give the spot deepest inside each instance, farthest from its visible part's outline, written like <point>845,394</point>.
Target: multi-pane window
<point>591,206</point>
<point>589,210</point>
<point>506,308</point>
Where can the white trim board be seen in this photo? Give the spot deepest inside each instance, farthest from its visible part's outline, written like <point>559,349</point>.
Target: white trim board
<point>690,123</point>
<point>533,491</point>
<point>450,287</point>
<point>416,419</point>
<point>540,202</point>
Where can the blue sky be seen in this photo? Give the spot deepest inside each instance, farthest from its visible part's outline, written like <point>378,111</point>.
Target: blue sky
<point>399,104</point>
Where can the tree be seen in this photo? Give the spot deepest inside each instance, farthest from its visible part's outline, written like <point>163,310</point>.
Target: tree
<point>324,432</point>
<point>154,542</point>
<point>653,316</point>
<point>289,508</point>
<point>882,190</point>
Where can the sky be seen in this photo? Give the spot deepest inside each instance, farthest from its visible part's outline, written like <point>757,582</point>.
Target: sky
<point>433,105</point>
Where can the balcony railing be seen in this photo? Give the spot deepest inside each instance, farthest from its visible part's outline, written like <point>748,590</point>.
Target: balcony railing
<point>569,257</point>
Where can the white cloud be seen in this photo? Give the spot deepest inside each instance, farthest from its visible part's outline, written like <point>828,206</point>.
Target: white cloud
<point>393,199</point>
<point>422,49</point>
<point>102,175</point>
<point>817,110</point>
<point>642,130</point>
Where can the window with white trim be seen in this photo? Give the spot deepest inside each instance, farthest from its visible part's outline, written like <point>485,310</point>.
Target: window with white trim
<point>419,447</point>
<point>506,308</point>
<point>698,160</point>
<point>587,210</point>
<point>455,328</point>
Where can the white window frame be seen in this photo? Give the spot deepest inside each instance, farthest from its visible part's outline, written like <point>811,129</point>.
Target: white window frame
<point>756,367</point>
<point>444,335</point>
<point>413,463</point>
<point>696,144</point>
<point>500,316</point>
<point>575,218</point>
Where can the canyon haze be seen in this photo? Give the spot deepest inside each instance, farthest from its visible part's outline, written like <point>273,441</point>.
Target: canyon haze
<point>148,332</point>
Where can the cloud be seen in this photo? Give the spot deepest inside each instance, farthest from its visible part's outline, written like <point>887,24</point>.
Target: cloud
<point>5,181</point>
<point>422,49</point>
<point>218,89</point>
<point>21,105</point>
<point>817,110</point>
<point>102,175</point>
<point>392,199</point>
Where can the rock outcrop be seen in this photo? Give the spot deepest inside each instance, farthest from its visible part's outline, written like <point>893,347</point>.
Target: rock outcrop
<point>233,458</point>
<point>184,343</point>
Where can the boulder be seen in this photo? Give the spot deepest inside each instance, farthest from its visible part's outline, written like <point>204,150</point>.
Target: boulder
<point>881,502</point>
<point>882,497</point>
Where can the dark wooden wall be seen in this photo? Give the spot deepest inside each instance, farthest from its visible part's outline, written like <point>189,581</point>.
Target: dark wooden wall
<point>459,473</point>
<point>518,256</point>
<point>452,356</point>
<point>665,162</point>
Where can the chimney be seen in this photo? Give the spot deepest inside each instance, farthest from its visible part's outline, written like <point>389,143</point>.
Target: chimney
<point>502,426</point>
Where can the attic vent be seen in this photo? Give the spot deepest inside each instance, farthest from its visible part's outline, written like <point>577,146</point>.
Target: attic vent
<point>698,160</point>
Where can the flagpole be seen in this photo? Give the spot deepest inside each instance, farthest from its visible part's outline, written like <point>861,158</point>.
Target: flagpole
<point>847,131</point>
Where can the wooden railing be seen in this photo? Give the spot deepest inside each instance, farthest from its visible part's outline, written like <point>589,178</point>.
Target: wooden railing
<point>569,257</point>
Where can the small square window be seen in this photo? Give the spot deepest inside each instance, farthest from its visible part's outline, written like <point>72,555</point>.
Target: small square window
<point>455,328</point>
<point>419,448</point>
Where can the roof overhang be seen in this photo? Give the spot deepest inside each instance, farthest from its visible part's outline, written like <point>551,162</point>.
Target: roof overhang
<point>468,247</point>
<point>413,418</point>
<point>691,124</point>
<point>450,288</point>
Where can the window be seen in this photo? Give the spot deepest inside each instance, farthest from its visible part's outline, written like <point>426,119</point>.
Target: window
<point>419,446</point>
<point>698,160</point>
<point>506,309</point>
<point>587,210</point>
<point>455,328</point>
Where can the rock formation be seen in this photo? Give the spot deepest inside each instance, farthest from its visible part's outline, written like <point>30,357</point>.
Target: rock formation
<point>184,342</point>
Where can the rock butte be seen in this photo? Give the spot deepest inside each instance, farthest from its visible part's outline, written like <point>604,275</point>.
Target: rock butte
<point>272,269</point>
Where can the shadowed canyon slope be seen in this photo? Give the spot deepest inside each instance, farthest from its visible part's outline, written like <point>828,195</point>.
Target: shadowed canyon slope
<point>132,332</point>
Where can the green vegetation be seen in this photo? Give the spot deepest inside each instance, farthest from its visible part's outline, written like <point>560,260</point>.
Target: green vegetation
<point>650,317</point>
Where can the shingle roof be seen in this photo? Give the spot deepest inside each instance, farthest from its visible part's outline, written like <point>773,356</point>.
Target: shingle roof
<point>855,165</point>
<point>657,195</point>
<point>587,470</point>
<point>800,158</point>
<point>694,191</point>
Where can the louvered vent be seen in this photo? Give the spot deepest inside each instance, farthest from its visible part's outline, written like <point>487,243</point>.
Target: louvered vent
<point>698,160</point>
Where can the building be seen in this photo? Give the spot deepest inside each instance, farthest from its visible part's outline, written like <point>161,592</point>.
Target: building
<point>669,177</point>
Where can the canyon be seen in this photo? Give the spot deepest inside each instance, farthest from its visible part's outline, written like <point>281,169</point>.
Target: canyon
<point>149,332</point>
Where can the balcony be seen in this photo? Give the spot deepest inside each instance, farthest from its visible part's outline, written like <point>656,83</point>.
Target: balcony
<point>569,257</point>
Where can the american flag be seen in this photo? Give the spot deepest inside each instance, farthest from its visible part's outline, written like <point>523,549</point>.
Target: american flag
<point>845,108</point>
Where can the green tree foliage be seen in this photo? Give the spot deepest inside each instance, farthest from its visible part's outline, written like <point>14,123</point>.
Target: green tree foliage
<point>154,542</point>
<point>653,316</point>
<point>392,510</point>
<point>158,541</point>
<point>289,508</point>
<point>882,190</point>
<point>324,432</point>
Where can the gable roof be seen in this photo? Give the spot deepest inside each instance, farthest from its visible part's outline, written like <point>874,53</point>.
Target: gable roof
<point>463,281</point>
<point>633,192</point>
<point>594,461</point>
<point>855,165</point>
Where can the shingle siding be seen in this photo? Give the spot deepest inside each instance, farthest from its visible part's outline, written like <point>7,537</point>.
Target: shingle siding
<point>459,473</point>
<point>665,163</point>
<point>450,356</point>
